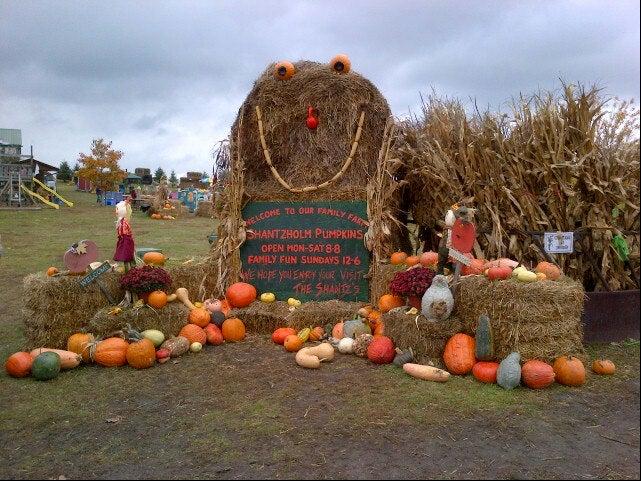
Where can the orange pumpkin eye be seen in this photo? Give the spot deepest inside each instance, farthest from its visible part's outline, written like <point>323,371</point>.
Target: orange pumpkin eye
<point>284,70</point>
<point>341,64</point>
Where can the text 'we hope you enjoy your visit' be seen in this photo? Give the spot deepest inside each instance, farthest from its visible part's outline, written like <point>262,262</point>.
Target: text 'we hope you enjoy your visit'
<point>307,250</point>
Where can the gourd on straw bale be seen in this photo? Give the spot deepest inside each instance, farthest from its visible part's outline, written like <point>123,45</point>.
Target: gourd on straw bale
<point>540,320</point>
<point>278,158</point>
<point>168,320</point>
<point>557,162</point>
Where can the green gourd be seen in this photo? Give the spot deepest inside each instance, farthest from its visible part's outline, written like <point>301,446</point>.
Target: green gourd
<point>355,328</point>
<point>484,339</point>
<point>508,375</point>
<point>45,366</point>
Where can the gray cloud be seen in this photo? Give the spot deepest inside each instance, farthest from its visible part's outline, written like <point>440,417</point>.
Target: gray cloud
<point>164,80</point>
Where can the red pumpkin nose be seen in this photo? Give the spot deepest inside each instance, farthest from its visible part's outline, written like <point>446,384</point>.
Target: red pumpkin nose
<point>311,122</point>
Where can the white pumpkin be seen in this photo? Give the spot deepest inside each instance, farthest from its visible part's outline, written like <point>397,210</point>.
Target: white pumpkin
<point>346,345</point>
<point>196,347</point>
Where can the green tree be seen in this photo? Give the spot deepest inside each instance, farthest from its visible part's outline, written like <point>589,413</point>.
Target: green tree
<point>65,173</point>
<point>173,180</point>
<point>159,174</point>
<point>76,167</point>
<point>101,166</point>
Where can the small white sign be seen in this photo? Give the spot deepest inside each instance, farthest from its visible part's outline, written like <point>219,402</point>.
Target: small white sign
<point>558,242</point>
<point>459,256</point>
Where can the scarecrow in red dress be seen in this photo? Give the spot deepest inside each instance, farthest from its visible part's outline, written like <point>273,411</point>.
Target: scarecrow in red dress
<point>125,251</point>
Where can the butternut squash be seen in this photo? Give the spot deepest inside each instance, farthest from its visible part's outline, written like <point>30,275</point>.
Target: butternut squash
<point>311,357</point>
<point>427,373</point>
<point>68,359</point>
<point>182,294</point>
<point>172,297</point>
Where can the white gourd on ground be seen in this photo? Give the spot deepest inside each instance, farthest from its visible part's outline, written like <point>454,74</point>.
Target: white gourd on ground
<point>508,375</point>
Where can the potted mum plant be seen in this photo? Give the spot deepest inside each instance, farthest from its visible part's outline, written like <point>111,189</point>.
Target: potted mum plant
<point>143,280</point>
<point>412,284</point>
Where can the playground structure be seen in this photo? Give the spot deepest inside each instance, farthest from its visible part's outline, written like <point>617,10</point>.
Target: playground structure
<point>18,186</point>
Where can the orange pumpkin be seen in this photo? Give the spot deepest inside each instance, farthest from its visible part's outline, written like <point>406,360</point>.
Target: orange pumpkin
<point>141,354</point>
<point>603,366</point>
<point>476,267</point>
<point>459,355</point>
<point>80,343</point>
<point>284,70</point>
<point>316,334</point>
<point>281,333</point>
<point>214,335</point>
<point>398,258</point>
<point>19,364</point>
<point>537,374</point>
<point>569,371</point>
<point>411,261</point>
<point>429,259</point>
<point>52,271</point>
<point>233,330</point>
<point>193,333</point>
<point>293,343</point>
<point>199,316</point>
<point>157,299</point>
<point>341,64</point>
<point>485,371</point>
<point>499,273</point>
<point>111,352</point>
<point>154,258</point>
<point>551,271</point>
<point>241,294</point>
<point>337,331</point>
<point>387,302</point>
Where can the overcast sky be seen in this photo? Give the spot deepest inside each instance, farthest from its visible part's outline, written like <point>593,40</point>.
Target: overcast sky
<point>164,80</point>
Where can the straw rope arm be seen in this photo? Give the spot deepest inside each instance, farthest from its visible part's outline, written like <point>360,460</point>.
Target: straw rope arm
<point>309,188</point>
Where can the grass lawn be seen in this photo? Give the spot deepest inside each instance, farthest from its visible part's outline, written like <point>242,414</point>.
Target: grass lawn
<point>245,410</point>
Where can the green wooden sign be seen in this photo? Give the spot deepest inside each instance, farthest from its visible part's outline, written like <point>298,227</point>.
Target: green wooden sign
<point>95,274</point>
<point>312,251</point>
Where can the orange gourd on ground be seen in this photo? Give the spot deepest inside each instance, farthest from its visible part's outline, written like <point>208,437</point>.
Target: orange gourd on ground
<point>411,261</point>
<point>398,258</point>
<point>199,316</point>
<point>459,354</point>
<point>19,364</point>
<point>281,333</point>
<point>316,334</point>
<point>387,302</point>
<point>603,366</point>
<point>537,374</point>
<point>141,354</point>
<point>214,335</point>
<point>485,371</point>
<point>193,333</point>
<point>337,330</point>
<point>293,343</point>
<point>111,352</point>
<point>233,330</point>
<point>569,371</point>
<point>550,270</point>
<point>240,294</point>
<point>157,299</point>
<point>80,343</point>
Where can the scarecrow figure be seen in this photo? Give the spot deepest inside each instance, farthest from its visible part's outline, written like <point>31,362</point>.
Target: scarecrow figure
<point>125,251</point>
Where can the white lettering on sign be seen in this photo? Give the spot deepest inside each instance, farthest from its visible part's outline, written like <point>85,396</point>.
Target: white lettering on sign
<point>460,257</point>
<point>558,242</point>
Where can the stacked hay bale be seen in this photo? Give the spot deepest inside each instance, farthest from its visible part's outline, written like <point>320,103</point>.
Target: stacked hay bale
<point>205,209</point>
<point>541,320</point>
<point>557,163</point>
<point>303,161</point>
<point>56,307</point>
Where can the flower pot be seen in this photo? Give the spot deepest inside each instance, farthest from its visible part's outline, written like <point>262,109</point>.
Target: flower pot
<point>414,301</point>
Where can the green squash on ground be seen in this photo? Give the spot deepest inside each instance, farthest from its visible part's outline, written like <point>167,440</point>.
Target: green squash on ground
<point>46,366</point>
<point>154,336</point>
<point>484,339</point>
<point>508,375</point>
